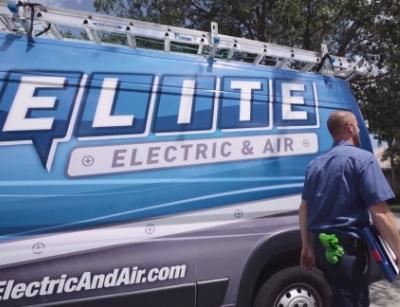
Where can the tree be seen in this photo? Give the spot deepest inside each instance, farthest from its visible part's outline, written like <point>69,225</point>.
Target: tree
<point>379,95</point>
<point>379,98</point>
<point>344,24</point>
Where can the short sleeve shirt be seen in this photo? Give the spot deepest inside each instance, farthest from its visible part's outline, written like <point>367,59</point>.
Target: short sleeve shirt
<point>339,187</point>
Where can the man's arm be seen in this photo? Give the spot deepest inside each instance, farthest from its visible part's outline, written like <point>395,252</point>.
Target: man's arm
<point>307,258</point>
<point>386,224</point>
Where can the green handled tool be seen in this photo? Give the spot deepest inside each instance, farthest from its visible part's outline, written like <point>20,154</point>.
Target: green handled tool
<point>334,251</point>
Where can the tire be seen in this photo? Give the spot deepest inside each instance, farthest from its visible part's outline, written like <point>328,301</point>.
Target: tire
<point>294,287</point>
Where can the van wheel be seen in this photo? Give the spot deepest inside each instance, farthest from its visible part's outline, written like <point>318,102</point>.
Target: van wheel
<point>294,287</point>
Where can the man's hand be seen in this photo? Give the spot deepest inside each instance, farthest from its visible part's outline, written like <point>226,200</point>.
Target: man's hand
<point>398,261</point>
<point>307,258</point>
<point>386,224</point>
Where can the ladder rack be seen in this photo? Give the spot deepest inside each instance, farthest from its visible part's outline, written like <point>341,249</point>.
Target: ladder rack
<point>65,24</point>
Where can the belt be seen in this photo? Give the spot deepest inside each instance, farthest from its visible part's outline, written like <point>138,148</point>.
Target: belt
<point>347,241</point>
<point>350,242</point>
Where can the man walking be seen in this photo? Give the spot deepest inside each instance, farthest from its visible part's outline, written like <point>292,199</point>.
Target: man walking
<point>342,189</point>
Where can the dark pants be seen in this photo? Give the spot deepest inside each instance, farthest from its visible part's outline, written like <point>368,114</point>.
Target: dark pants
<point>348,278</point>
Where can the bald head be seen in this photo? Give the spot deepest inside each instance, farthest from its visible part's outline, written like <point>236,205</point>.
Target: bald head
<point>342,125</point>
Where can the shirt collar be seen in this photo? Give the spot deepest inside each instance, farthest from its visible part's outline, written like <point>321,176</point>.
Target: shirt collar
<point>342,143</point>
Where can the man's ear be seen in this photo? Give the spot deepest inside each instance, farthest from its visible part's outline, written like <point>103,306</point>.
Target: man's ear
<point>350,128</point>
<point>346,129</point>
<point>353,129</point>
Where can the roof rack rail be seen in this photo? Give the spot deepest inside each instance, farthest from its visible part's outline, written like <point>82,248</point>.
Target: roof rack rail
<point>24,17</point>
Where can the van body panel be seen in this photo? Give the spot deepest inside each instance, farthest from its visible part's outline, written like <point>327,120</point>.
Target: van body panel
<point>119,161</point>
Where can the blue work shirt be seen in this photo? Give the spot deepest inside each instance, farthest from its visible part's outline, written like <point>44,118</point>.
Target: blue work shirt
<point>339,187</point>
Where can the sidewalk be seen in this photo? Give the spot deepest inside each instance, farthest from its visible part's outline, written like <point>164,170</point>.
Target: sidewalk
<point>383,293</point>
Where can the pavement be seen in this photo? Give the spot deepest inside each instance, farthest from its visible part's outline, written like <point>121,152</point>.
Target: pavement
<point>384,293</point>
